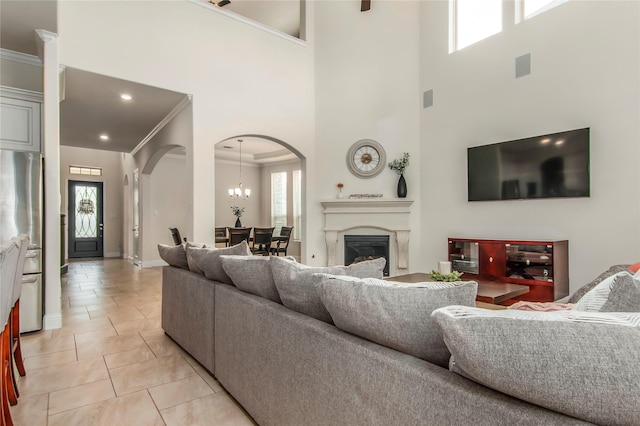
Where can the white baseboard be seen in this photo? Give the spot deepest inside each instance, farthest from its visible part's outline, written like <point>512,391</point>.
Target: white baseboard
<point>153,263</point>
<point>51,322</point>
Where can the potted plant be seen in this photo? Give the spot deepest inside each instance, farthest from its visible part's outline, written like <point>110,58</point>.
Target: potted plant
<point>237,212</point>
<point>398,166</point>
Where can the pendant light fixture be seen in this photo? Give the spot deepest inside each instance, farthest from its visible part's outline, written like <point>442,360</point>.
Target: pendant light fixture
<point>239,192</point>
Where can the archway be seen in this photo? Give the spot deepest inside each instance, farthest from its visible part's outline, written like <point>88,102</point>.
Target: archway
<point>276,173</point>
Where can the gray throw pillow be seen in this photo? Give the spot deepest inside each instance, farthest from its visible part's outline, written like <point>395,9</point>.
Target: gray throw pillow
<point>577,295</point>
<point>208,260</point>
<point>252,274</point>
<point>393,314</point>
<point>624,296</point>
<point>174,255</point>
<point>192,265</point>
<point>583,364</point>
<point>297,286</point>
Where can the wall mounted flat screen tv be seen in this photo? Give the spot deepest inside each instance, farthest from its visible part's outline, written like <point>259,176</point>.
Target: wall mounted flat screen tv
<point>547,166</point>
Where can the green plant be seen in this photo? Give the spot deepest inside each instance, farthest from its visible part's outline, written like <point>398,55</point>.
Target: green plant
<point>237,211</point>
<point>453,276</point>
<point>400,164</point>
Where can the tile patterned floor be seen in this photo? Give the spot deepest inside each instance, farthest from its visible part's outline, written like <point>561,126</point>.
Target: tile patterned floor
<point>111,363</point>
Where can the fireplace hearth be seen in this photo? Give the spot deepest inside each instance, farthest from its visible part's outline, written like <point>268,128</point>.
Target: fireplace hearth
<point>358,248</point>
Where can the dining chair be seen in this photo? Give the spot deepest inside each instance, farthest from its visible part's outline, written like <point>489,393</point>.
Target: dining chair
<point>236,235</point>
<point>221,235</point>
<point>14,317</point>
<point>9,262</point>
<point>262,241</point>
<point>177,239</point>
<point>282,243</point>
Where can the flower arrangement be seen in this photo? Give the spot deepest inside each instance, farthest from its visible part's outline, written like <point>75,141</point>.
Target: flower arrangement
<point>400,164</point>
<point>237,211</point>
<point>340,185</point>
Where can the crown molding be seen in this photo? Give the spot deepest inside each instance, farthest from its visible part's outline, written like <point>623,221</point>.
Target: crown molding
<point>166,120</point>
<point>23,58</point>
<point>14,92</point>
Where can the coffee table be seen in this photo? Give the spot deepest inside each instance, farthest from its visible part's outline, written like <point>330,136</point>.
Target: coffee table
<point>489,292</point>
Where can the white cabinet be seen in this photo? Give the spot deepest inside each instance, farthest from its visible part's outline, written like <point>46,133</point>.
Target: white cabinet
<point>20,124</point>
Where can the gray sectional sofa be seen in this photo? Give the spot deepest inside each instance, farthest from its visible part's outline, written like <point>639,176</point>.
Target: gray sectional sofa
<point>290,368</point>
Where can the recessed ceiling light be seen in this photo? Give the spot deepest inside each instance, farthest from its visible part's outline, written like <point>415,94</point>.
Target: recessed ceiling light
<point>559,141</point>
<point>126,96</point>
<point>545,141</point>
<point>104,137</point>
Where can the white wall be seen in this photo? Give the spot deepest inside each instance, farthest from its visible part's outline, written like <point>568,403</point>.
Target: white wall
<point>367,87</point>
<point>227,176</point>
<point>585,73</point>
<point>243,79</point>
<point>166,197</point>
<point>110,163</point>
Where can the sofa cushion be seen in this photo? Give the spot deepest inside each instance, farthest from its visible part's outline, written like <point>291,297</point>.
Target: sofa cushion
<point>174,255</point>
<point>395,315</point>
<point>208,260</point>
<point>192,265</point>
<point>583,364</point>
<point>577,295</point>
<point>297,284</point>
<point>617,293</point>
<point>252,274</point>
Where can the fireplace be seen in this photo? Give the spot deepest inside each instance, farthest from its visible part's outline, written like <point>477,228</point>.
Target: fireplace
<point>386,217</point>
<point>365,247</point>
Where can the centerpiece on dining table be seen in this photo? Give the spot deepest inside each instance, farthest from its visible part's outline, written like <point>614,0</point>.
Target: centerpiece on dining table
<point>237,212</point>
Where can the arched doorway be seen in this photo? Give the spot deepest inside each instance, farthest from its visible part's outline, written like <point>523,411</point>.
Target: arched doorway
<point>275,173</point>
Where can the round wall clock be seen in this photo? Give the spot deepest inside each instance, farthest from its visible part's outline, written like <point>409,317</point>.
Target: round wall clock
<point>366,158</point>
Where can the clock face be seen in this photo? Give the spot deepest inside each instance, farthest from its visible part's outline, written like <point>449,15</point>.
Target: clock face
<point>366,158</point>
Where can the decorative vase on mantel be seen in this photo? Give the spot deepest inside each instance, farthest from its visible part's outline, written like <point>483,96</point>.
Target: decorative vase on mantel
<point>238,223</point>
<point>402,187</point>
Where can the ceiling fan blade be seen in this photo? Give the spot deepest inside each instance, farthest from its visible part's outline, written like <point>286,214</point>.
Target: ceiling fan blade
<point>366,5</point>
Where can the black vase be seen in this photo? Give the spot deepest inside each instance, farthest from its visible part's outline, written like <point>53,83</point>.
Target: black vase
<point>402,187</point>
<point>238,223</point>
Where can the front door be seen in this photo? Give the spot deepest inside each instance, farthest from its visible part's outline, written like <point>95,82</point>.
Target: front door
<point>85,219</point>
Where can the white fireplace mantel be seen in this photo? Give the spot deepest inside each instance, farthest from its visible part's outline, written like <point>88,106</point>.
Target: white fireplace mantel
<point>390,215</point>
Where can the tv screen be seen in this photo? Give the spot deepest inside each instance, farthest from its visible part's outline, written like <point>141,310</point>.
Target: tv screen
<point>547,166</point>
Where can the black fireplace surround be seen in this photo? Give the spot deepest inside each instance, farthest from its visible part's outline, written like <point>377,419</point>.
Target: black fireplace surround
<point>365,247</point>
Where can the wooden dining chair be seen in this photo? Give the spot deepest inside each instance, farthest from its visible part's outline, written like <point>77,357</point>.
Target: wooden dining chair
<point>8,265</point>
<point>282,243</point>
<point>262,241</point>
<point>14,316</point>
<point>177,239</point>
<point>221,235</point>
<point>237,235</point>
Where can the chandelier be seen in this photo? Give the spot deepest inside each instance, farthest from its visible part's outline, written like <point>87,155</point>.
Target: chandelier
<point>238,192</point>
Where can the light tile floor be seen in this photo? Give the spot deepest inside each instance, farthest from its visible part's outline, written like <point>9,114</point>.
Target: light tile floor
<point>111,363</point>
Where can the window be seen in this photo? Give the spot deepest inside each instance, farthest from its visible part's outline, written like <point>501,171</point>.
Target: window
<point>297,204</point>
<point>278,201</point>
<point>90,171</point>
<point>473,20</point>
<point>528,8</point>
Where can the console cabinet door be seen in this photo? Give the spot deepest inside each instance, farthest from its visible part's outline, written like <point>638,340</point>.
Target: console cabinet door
<point>492,260</point>
<point>20,124</point>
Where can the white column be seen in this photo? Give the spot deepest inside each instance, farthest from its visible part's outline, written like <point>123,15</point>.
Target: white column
<point>48,52</point>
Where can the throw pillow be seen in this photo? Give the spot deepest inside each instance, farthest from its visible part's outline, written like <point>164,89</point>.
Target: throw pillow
<point>618,293</point>
<point>208,260</point>
<point>583,364</point>
<point>395,315</point>
<point>584,289</point>
<point>192,265</point>
<point>635,267</point>
<point>174,255</point>
<point>298,287</point>
<point>252,274</point>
